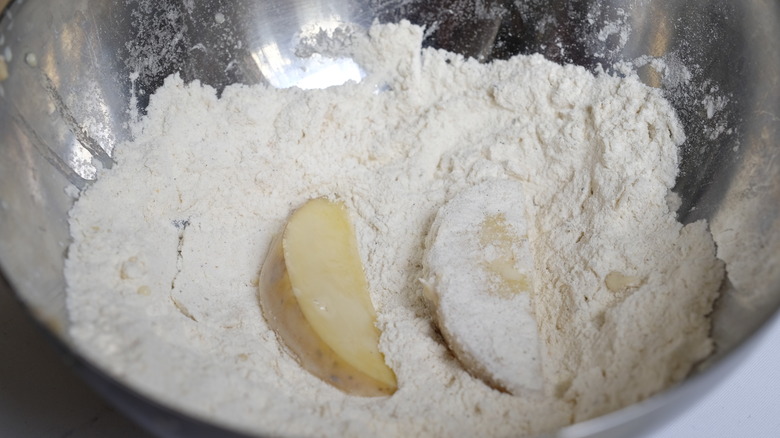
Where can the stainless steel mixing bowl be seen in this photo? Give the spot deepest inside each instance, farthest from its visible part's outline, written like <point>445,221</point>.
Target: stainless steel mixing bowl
<point>78,70</point>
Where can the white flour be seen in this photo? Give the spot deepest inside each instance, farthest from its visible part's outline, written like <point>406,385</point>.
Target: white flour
<point>167,246</point>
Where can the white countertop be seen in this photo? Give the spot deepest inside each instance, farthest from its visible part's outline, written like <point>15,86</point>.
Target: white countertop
<point>40,397</point>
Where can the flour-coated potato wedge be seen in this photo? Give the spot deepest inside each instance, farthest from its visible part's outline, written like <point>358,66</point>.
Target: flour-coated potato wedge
<point>479,277</point>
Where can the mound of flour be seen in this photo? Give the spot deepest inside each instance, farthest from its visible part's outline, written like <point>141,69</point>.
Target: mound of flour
<point>163,269</point>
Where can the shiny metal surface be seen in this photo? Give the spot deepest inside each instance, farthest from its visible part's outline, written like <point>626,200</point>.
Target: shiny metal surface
<point>80,71</point>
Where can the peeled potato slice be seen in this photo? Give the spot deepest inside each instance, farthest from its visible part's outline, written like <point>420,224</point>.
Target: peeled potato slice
<point>480,275</point>
<point>314,295</point>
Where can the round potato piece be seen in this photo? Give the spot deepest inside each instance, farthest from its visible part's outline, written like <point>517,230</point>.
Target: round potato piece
<point>480,277</point>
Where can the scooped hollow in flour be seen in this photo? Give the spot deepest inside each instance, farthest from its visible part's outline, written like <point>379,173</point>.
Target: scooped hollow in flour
<point>163,269</point>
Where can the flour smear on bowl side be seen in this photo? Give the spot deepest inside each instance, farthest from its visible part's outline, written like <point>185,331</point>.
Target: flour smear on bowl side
<point>167,246</point>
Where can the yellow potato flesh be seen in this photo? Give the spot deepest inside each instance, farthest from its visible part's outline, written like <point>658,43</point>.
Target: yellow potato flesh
<point>315,296</point>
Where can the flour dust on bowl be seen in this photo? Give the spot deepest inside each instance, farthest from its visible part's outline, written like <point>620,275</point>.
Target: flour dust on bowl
<point>326,218</point>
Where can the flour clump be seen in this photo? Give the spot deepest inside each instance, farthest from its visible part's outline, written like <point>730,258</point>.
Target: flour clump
<point>167,245</point>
